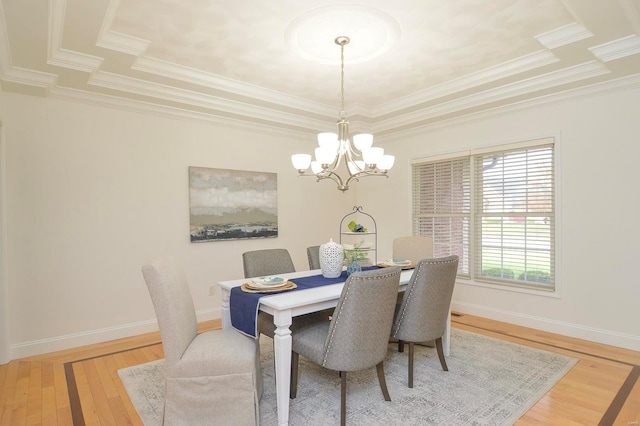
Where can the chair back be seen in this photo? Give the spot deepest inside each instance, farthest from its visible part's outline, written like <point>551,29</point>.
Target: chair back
<point>173,304</point>
<point>313,255</point>
<point>361,323</point>
<point>425,305</point>
<point>260,263</point>
<point>413,248</point>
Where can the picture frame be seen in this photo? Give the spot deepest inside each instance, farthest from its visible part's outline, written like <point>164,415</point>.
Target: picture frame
<point>226,204</point>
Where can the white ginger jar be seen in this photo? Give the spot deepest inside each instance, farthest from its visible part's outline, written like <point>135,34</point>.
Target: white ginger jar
<point>331,259</point>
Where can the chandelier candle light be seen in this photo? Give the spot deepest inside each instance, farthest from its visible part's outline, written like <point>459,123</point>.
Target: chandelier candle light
<point>361,158</point>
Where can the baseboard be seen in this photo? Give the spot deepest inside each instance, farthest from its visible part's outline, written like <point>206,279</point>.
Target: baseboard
<point>53,344</point>
<point>578,331</point>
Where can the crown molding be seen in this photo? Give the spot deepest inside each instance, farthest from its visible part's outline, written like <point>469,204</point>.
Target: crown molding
<point>260,117</point>
<point>564,35</point>
<point>77,61</point>
<point>179,72</point>
<point>611,86</point>
<point>59,56</point>
<point>141,107</point>
<point>617,49</point>
<point>117,41</point>
<point>502,93</point>
<point>519,65</point>
<point>113,40</point>
<point>30,77</point>
<point>123,43</point>
<point>197,99</point>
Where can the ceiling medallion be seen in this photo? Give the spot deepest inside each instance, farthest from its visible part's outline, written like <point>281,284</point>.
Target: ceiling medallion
<point>373,31</point>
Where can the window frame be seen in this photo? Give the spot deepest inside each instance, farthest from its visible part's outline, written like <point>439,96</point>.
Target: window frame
<point>551,289</point>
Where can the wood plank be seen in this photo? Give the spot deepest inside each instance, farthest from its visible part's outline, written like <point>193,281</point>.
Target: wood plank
<point>48,395</point>
<point>63,409</point>
<point>34,395</point>
<point>121,414</point>
<point>98,391</point>
<point>19,414</point>
<point>8,392</point>
<point>49,411</point>
<point>105,377</point>
<point>114,363</point>
<point>3,376</point>
<point>89,410</point>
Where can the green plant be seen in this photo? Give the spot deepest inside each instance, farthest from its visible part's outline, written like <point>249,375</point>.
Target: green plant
<point>356,227</point>
<point>354,254</point>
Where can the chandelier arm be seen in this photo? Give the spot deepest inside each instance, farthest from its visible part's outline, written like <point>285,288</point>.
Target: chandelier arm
<point>365,173</point>
<point>336,162</point>
<point>330,175</point>
<point>349,160</point>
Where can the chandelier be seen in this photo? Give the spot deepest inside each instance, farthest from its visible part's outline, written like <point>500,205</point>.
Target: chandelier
<point>360,157</point>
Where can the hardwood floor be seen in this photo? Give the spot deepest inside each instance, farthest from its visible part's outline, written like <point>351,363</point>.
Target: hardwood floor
<point>81,386</point>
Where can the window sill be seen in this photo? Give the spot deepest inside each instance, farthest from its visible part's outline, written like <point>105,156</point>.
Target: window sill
<point>514,289</point>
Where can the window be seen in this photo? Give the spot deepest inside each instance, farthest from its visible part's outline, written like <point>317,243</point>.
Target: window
<point>494,208</point>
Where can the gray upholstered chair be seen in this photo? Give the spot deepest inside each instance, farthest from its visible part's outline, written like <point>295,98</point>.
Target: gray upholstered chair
<point>212,377</point>
<point>260,263</point>
<point>357,335</point>
<point>422,316</point>
<point>313,255</point>
<point>413,248</point>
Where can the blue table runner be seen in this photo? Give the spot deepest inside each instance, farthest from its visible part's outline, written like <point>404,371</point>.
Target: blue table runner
<point>243,306</point>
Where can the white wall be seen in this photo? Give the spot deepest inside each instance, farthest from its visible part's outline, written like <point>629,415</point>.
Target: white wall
<point>598,146</point>
<point>93,193</point>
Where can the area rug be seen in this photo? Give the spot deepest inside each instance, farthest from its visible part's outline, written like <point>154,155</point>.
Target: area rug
<point>489,382</point>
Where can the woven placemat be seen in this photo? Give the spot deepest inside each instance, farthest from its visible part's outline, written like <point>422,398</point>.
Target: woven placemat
<point>288,285</point>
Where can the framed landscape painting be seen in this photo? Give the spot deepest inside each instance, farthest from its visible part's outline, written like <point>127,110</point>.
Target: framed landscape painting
<point>232,204</point>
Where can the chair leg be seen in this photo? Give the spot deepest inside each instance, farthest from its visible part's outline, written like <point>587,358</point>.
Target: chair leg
<point>293,388</point>
<point>411,353</point>
<point>383,382</point>
<point>343,398</point>
<point>441,353</point>
<point>400,346</point>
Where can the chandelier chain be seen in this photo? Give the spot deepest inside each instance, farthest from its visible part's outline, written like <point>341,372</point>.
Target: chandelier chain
<point>342,78</point>
<point>342,41</point>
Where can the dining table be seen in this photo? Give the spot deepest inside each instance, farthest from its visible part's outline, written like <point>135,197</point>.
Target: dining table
<point>286,305</point>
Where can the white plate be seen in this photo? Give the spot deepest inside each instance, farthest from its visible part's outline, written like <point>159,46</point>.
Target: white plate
<point>399,262</point>
<point>268,281</point>
<point>365,246</point>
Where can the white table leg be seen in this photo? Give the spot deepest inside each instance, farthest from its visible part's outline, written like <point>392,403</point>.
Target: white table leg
<point>282,354</point>
<point>446,339</point>
<point>226,314</point>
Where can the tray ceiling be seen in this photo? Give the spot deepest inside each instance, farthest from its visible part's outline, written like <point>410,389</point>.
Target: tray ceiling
<point>409,63</point>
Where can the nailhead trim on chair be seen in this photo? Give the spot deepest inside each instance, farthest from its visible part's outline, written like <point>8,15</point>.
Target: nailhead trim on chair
<point>420,266</point>
<point>337,315</point>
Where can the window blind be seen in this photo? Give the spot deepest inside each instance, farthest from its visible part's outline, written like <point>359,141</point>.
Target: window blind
<point>442,207</point>
<point>514,216</point>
